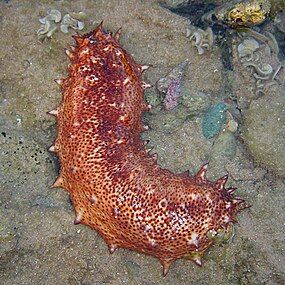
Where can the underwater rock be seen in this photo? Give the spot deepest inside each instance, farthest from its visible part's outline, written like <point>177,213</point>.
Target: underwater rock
<point>213,120</point>
<point>202,39</point>
<point>232,124</point>
<point>222,152</point>
<point>195,102</point>
<point>170,85</point>
<point>224,145</point>
<point>264,125</point>
<point>172,95</point>
<point>240,13</point>
<point>152,98</point>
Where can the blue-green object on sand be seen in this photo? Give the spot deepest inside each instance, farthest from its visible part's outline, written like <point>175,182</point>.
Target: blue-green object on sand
<point>213,120</point>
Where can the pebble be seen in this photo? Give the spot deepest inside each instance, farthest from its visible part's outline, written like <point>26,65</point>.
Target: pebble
<point>152,98</point>
<point>213,120</point>
<point>232,124</point>
<point>195,103</point>
<point>225,145</point>
<point>170,85</point>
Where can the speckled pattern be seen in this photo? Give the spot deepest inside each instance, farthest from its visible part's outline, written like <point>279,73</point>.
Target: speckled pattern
<point>116,187</point>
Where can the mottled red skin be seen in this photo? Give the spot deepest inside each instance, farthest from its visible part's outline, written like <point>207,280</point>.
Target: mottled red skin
<point>116,187</point>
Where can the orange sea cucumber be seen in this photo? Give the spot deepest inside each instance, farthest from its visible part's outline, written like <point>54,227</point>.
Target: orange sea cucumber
<point>116,187</point>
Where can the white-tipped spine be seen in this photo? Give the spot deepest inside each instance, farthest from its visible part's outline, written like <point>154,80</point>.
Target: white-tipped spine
<point>53,112</point>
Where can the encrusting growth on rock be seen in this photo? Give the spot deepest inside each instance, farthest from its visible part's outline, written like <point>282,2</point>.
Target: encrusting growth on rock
<point>115,186</point>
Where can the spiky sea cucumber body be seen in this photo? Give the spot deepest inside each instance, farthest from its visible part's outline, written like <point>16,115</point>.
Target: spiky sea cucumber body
<point>116,187</point>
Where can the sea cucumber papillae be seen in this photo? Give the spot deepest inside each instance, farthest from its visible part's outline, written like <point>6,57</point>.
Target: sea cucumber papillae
<point>116,187</point>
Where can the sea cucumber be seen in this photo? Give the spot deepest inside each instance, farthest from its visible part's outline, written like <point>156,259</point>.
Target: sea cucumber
<point>115,186</point>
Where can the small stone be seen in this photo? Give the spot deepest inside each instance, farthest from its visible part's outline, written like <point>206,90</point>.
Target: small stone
<point>152,98</point>
<point>213,120</point>
<point>225,145</point>
<point>232,124</point>
<point>170,85</point>
<point>237,13</point>
<point>195,103</point>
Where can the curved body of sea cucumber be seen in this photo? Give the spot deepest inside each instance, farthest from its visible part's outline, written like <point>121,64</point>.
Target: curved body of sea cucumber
<point>116,187</point>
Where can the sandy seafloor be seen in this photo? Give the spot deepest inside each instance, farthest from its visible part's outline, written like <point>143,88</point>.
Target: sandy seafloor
<point>39,243</point>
